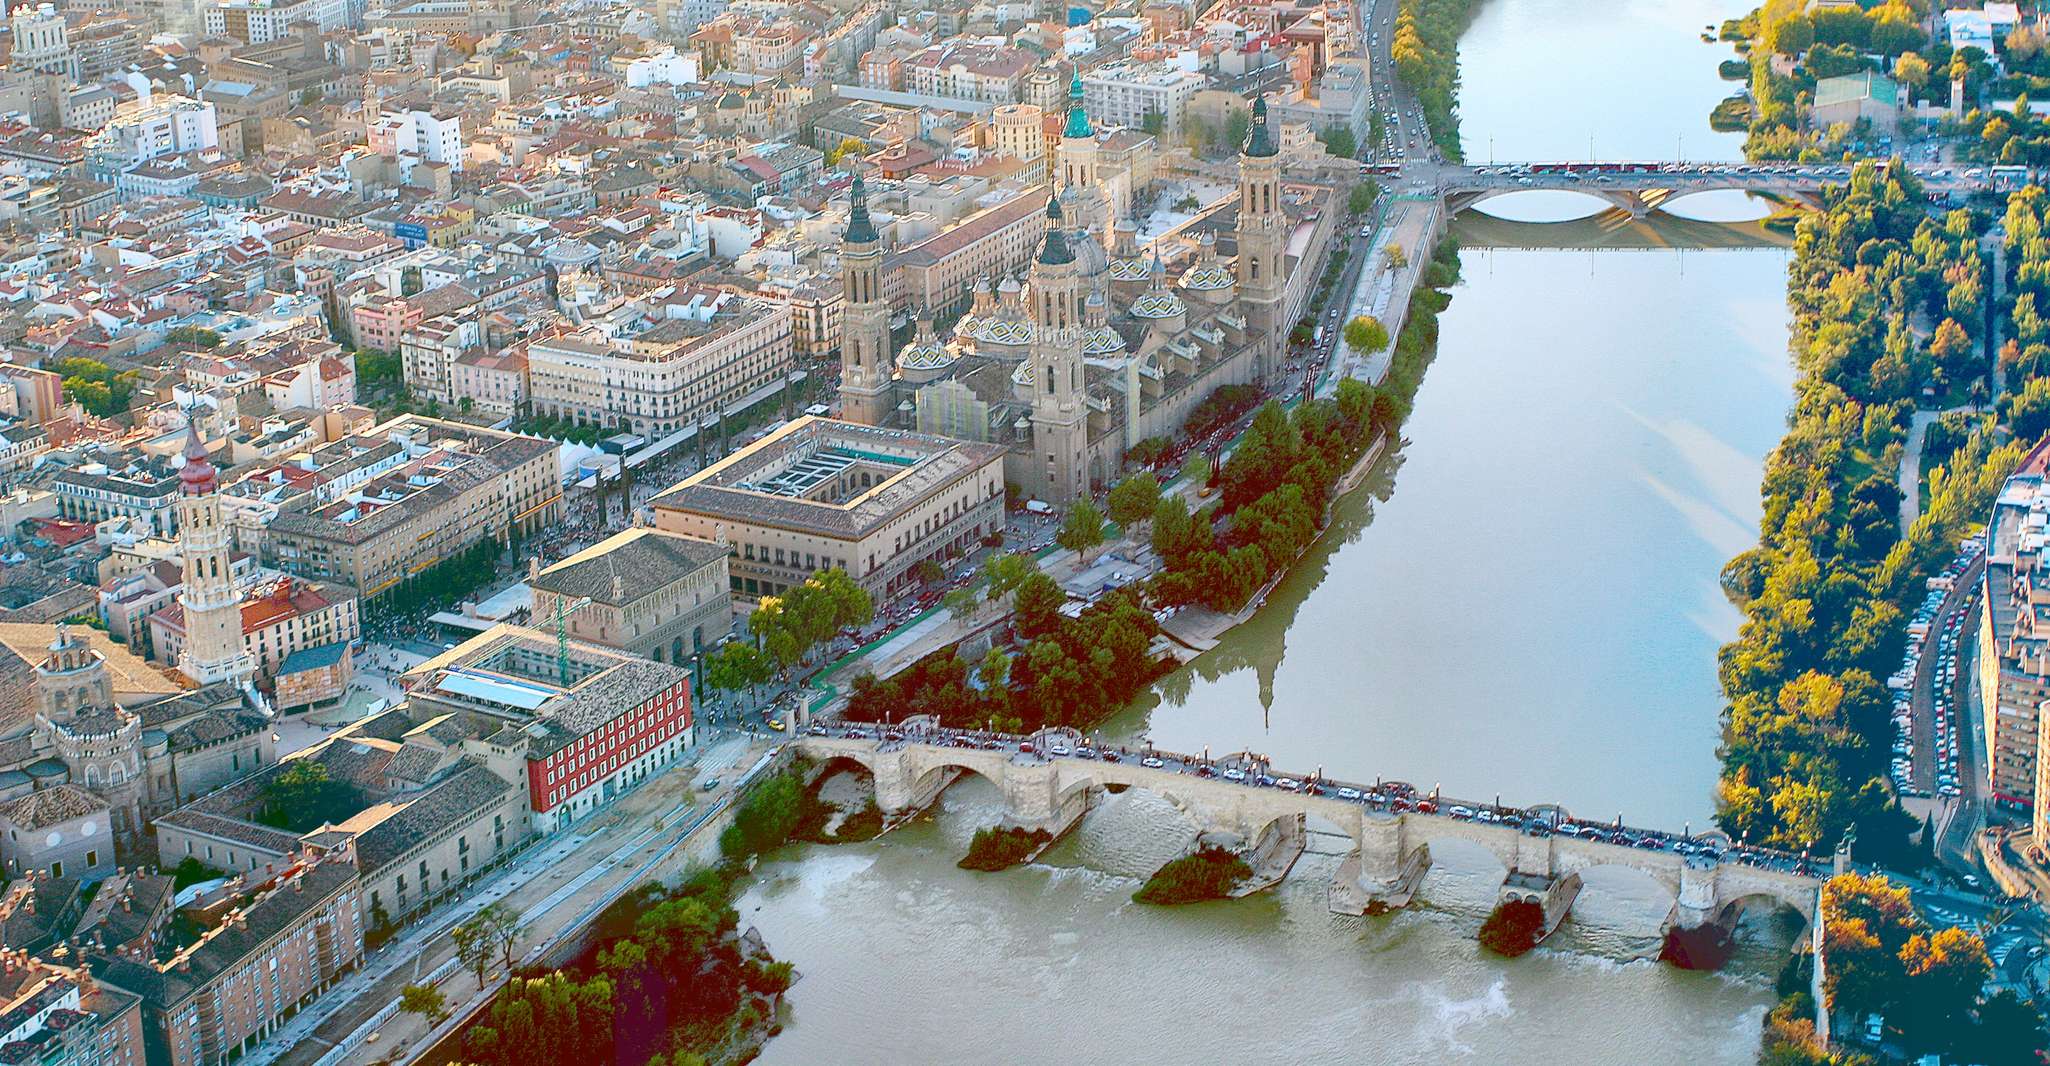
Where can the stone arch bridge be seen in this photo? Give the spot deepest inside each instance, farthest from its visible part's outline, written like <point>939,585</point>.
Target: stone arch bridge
<point>1047,783</point>
<point>1640,188</point>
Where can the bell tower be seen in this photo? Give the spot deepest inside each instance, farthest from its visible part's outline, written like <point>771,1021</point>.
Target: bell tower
<point>1262,235</point>
<point>1060,418</point>
<point>865,332</point>
<point>213,649</point>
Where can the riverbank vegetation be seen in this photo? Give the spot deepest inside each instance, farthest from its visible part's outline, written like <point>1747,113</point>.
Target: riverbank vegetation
<point>1513,928</point>
<point>1807,727</point>
<point>1426,54</point>
<point>1059,670</point>
<point>1880,957</point>
<point>1003,847</point>
<point>669,977</point>
<point>1278,480</point>
<point>1208,873</point>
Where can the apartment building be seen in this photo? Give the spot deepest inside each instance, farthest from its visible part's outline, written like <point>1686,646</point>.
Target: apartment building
<point>216,999</point>
<point>281,615</point>
<point>938,273</point>
<point>264,21</point>
<point>1125,93</point>
<point>62,1016</point>
<point>709,349</point>
<point>819,493</point>
<point>969,71</point>
<point>452,486</point>
<point>2014,637</point>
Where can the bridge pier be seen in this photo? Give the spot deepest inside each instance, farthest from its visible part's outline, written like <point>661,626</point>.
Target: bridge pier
<point>1033,800</point>
<point>1381,874</point>
<point>1554,895</point>
<point>1273,853</point>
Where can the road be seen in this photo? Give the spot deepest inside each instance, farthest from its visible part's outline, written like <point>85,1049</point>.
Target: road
<point>578,866</point>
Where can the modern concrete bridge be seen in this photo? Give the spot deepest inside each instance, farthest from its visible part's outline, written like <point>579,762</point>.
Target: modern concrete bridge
<point>1640,188</point>
<point>1049,780</point>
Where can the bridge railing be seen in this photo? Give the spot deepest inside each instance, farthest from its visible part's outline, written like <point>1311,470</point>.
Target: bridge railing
<point>1382,794</point>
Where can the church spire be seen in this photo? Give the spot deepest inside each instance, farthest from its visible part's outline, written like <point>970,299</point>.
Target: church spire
<point>1078,119</point>
<point>1056,250</point>
<point>859,229</point>
<point>1258,143</point>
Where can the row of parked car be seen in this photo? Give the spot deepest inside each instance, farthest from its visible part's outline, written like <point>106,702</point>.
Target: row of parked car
<point>1947,641</point>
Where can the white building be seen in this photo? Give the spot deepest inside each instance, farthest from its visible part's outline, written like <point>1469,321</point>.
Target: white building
<point>1123,94</point>
<point>667,67</point>
<point>412,137</point>
<point>153,127</point>
<point>263,21</point>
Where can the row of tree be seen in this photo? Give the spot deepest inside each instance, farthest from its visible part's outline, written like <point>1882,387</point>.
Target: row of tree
<point>1807,726</point>
<point>1426,54</point>
<point>787,629</point>
<point>440,585</point>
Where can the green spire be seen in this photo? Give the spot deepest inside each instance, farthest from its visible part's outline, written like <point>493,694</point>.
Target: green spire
<point>1078,120</point>
<point>1257,142</point>
<point>859,229</point>
<point>1056,250</point>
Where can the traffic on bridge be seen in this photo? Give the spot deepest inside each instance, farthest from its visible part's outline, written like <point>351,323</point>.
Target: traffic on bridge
<point>1254,771</point>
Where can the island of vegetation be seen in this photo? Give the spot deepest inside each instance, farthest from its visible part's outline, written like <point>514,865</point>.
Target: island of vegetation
<point>1003,847</point>
<point>1513,928</point>
<point>1207,873</point>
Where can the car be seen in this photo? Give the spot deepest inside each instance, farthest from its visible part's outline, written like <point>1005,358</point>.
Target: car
<point>1288,783</point>
<point>1348,793</point>
<point>1059,751</point>
<point>1085,753</point>
<point>1233,773</point>
<point>709,784</point>
<point>1426,807</point>
<point>992,745</point>
<point>817,730</point>
<point>1025,747</point>
<point>1459,811</point>
<point>1110,756</point>
<point>1151,762</point>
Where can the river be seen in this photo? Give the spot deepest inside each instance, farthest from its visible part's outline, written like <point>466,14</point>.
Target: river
<point>1523,603</point>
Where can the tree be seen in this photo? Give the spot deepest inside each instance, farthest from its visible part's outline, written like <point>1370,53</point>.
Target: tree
<point>426,1001</point>
<point>2028,411</point>
<point>961,603</point>
<point>1945,970</point>
<point>474,948</point>
<point>2009,1033</point>
<point>1514,928</point>
<point>1361,199</point>
<point>765,821</point>
<point>1081,531</point>
<point>1036,610</point>
<point>501,928</point>
<point>1911,70</point>
<point>1340,142</point>
<point>1134,499</point>
<point>1364,334</point>
<point>847,146</point>
<point>1395,257</point>
<point>1153,122</point>
<point>1196,469</point>
<point>1006,572</point>
<point>196,336</point>
<point>1791,36</point>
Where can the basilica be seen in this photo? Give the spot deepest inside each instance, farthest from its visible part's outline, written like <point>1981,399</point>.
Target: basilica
<point>1104,341</point>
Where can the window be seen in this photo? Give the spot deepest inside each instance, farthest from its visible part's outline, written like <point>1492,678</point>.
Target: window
<point>92,859</point>
<point>56,869</point>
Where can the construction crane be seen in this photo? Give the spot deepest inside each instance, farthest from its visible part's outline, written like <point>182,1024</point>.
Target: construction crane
<point>563,609</point>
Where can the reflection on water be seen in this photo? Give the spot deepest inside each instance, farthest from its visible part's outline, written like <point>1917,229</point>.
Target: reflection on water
<point>1534,613</point>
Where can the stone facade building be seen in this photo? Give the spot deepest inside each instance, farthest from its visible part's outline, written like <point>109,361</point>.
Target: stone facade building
<point>649,593</point>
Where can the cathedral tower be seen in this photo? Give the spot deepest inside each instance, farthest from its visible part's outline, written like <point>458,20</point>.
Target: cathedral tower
<point>213,605</point>
<point>865,329</point>
<point>1262,236</point>
<point>1060,418</point>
